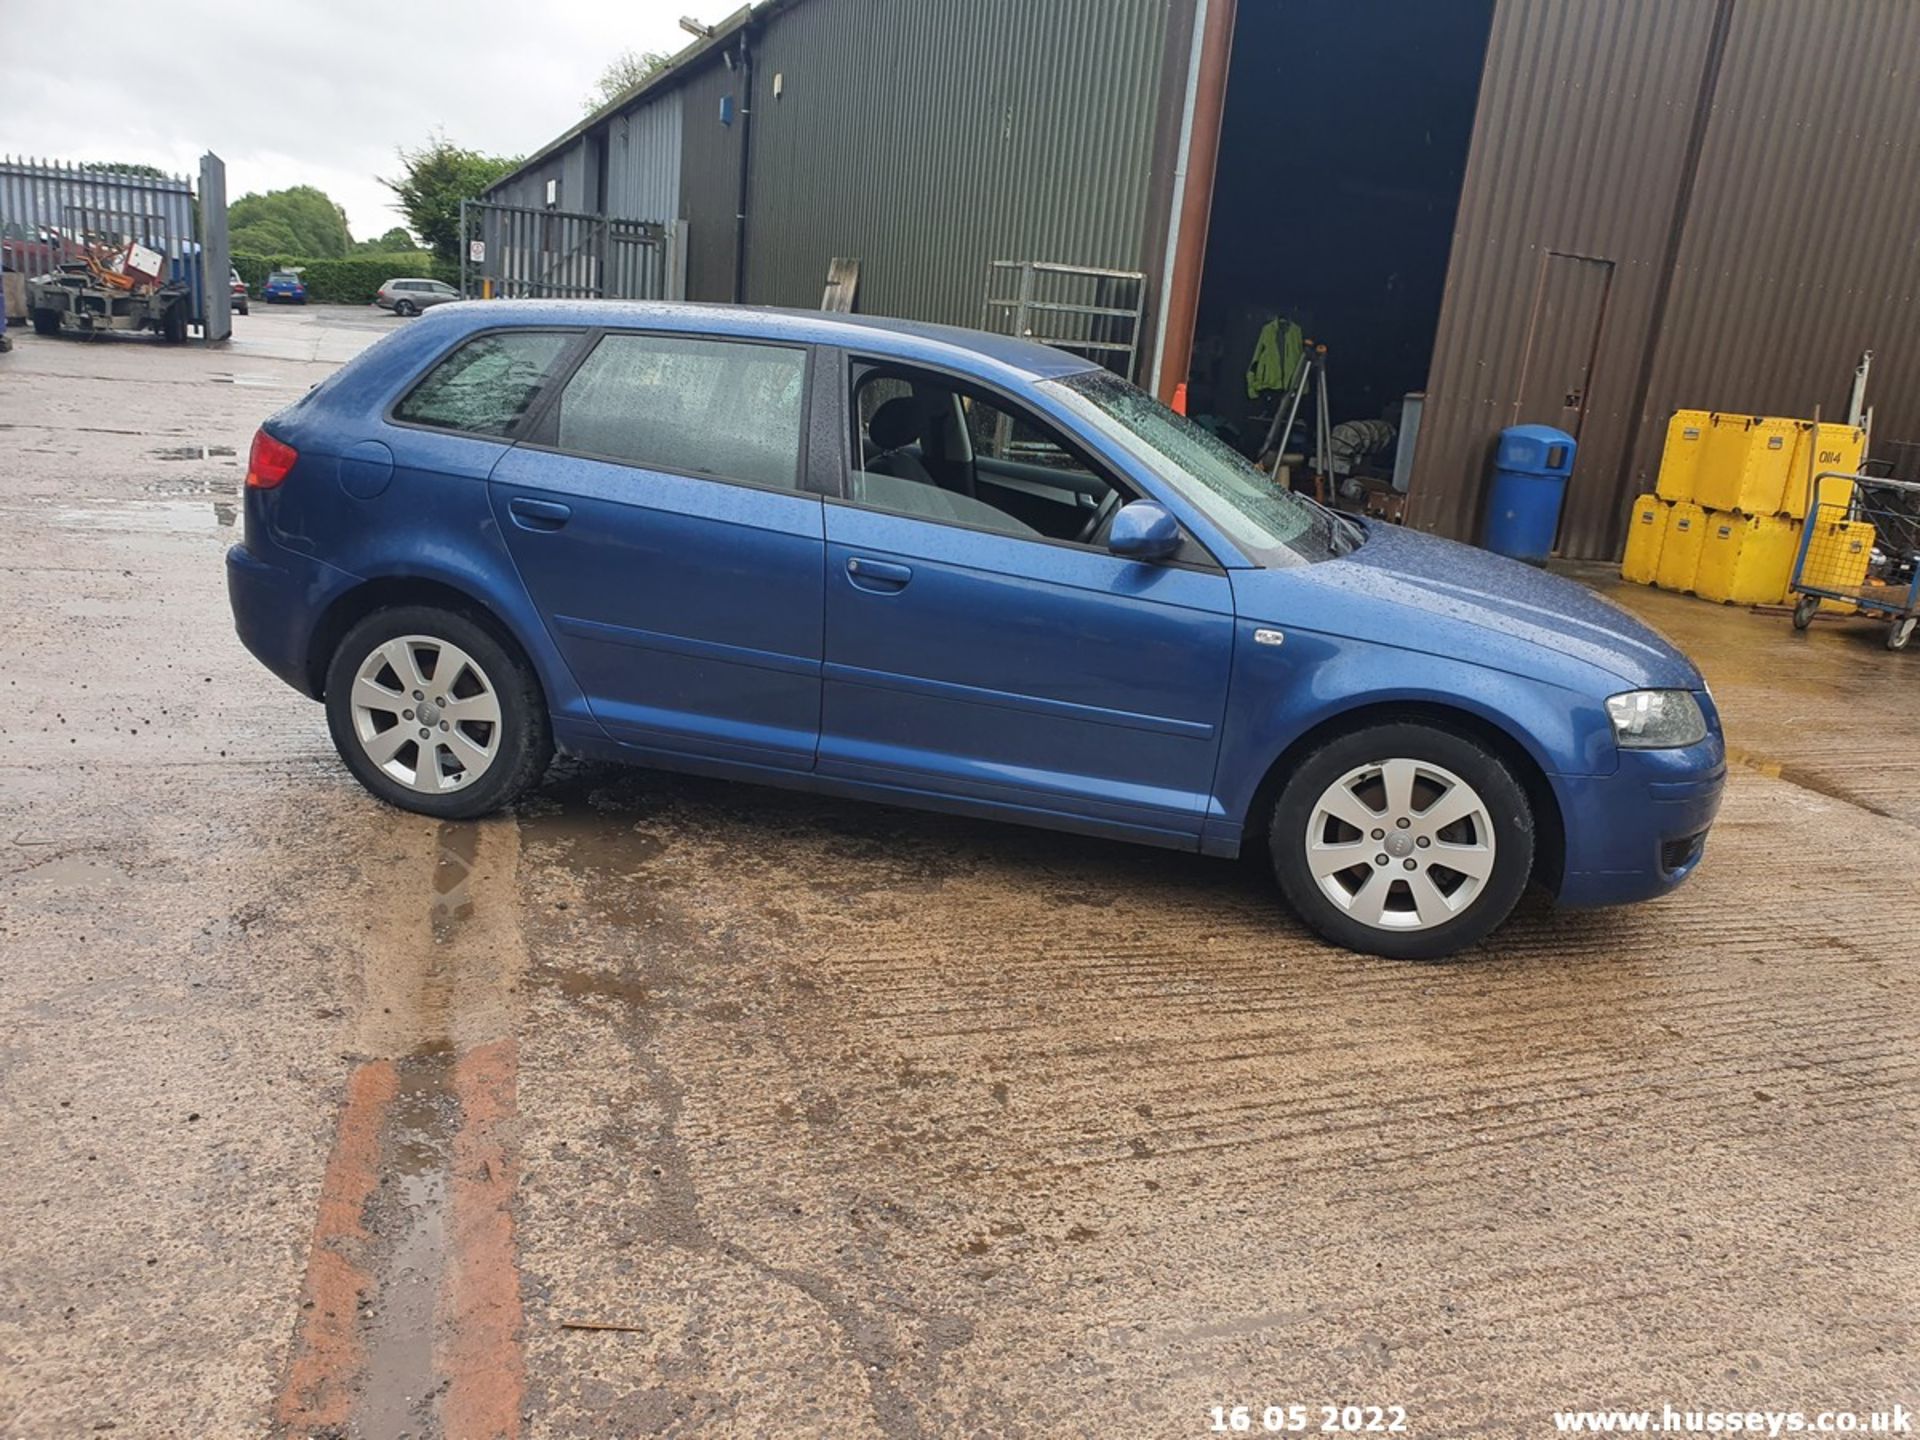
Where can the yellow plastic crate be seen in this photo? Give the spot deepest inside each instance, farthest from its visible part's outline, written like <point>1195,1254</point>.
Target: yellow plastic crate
<point>1646,533</point>
<point>1680,548</point>
<point>1744,466</point>
<point>1837,555</point>
<point>1745,559</point>
<point>1839,447</point>
<point>1680,460</point>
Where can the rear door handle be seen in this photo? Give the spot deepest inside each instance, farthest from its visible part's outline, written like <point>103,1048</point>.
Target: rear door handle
<point>882,577</point>
<point>538,514</point>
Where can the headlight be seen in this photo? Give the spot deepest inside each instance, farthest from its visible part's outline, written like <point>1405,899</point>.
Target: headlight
<point>1656,719</point>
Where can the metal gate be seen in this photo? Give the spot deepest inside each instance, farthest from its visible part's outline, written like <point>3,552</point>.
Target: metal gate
<point>516,252</point>
<point>1080,308</point>
<point>50,211</point>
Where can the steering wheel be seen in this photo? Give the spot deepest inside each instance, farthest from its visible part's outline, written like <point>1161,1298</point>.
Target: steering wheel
<point>1102,513</point>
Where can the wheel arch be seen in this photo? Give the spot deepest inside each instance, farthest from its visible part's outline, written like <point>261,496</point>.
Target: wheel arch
<point>1550,836</point>
<point>350,608</point>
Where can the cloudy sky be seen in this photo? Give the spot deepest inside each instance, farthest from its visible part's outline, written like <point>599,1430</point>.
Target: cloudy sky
<point>313,92</point>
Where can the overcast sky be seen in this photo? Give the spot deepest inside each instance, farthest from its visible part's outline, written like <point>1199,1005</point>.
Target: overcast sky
<point>311,92</point>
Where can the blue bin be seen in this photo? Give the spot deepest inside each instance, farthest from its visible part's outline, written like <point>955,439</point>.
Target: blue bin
<point>1530,470</point>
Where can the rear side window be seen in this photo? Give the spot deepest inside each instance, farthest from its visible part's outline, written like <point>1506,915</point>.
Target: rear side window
<point>487,384</point>
<point>700,407</point>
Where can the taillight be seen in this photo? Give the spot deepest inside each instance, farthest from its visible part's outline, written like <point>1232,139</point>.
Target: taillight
<point>269,461</point>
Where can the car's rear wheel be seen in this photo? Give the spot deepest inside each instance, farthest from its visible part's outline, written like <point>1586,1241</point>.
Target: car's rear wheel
<point>405,308</point>
<point>432,713</point>
<point>1403,839</point>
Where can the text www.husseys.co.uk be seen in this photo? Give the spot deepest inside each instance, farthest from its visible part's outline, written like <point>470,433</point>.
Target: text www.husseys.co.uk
<point>1668,1420</point>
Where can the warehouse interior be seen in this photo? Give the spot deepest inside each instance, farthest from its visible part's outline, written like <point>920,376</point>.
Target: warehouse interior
<point>1343,148</point>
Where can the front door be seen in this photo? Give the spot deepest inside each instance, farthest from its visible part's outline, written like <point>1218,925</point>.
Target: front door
<point>656,518</point>
<point>981,642</point>
<point>1569,310</point>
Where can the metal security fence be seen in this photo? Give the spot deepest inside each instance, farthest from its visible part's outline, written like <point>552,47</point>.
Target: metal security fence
<point>55,215</point>
<point>39,200</point>
<point>515,252</point>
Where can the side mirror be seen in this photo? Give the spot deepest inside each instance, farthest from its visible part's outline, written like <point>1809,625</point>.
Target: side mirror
<point>1143,531</point>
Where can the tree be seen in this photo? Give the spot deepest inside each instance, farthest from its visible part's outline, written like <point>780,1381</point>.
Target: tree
<point>299,221</point>
<point>122,167</point>
<point>395,242</point>
<point>436,178</point>
<point>626,71</point>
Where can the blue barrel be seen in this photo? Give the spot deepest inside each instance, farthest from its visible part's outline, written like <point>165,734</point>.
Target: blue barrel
<point>1530,470</point>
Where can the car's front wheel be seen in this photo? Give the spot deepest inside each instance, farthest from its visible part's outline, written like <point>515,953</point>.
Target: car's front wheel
<point>434,714</point>
<point>1403,839</point>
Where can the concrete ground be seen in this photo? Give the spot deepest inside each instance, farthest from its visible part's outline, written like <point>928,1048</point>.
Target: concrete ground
<point>669,1107</point>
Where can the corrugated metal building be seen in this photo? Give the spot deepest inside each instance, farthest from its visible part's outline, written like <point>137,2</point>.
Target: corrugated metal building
<point>1583,212</point>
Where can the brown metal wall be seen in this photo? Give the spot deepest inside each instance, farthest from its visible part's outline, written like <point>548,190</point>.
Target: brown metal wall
<point>1802,243</point>
<point>1580,146</point>
<point>1752,170</point>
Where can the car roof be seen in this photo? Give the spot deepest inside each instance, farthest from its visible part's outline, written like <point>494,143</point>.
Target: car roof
<point>875,335</point>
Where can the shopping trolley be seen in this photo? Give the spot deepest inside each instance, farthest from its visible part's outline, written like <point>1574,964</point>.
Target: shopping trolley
<point>1860,552</point>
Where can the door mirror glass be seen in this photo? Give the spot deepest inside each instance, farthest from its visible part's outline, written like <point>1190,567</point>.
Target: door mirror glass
<point>1143,531</point>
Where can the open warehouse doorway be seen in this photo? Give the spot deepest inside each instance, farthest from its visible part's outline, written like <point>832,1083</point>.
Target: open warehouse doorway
<point>1343,147</point>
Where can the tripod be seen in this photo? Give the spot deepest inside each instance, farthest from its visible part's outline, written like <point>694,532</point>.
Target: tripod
<point>1313,374</point>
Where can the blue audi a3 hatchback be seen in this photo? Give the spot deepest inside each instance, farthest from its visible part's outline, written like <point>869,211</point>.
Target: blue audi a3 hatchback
<point>948,570</point>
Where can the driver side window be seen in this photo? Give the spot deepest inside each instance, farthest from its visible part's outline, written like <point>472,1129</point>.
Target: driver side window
<point>936,449</point>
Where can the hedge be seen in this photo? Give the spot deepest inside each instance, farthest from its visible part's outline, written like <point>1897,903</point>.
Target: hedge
<point>350,281</point>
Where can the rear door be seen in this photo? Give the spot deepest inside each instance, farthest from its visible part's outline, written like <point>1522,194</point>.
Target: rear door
<point>657,517</point>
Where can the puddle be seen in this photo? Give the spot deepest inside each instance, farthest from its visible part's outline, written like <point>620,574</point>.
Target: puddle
<point>438,978</point>
<point>191,483</point>
<point>151,517</point>
<point>251,382</point>
<point>410,1211</point>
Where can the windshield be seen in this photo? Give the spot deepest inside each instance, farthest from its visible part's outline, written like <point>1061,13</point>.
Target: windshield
<point>283,278</point>
<point>1274,526</point>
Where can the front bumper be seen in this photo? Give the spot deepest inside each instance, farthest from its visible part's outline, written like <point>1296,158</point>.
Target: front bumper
<point>1639,832</point>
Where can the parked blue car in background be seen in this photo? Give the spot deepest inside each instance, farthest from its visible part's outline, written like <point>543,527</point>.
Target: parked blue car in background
<point>949,570</point>
<point>284,287</point>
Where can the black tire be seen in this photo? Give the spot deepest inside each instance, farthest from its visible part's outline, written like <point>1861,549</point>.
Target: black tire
<point>1900,632</point>
<point>243,307</point>
<point>1505,808</point>
<point>46,322</point>
<point>1804,609</point>
<point>173,326</point>
<point>526,738</point>
<point>405,308</point>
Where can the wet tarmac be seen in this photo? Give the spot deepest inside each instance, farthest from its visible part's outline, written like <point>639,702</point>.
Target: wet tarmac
<point>671,1107</point>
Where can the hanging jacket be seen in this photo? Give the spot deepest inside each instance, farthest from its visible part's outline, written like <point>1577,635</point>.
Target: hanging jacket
<point>1276,358</point>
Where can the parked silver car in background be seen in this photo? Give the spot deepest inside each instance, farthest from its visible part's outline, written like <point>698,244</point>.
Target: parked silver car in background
<point>408,296</point>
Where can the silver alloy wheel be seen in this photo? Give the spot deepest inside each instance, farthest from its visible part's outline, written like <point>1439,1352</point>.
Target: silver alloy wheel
<point>426,714</point>
<point>1401,844</point>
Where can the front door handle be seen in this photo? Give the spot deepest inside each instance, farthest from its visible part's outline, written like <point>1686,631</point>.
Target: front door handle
<point>538,514</point>
<point>881,577</point>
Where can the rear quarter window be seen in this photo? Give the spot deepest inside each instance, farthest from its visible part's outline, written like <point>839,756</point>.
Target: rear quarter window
<point>487,384</point>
